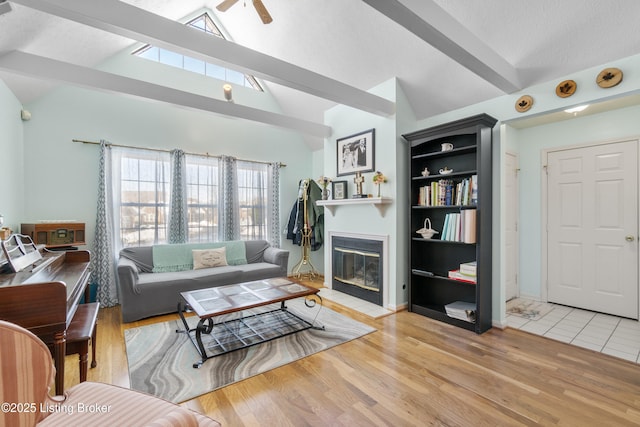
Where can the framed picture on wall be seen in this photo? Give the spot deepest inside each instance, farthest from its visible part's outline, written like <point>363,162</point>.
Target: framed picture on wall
<point>339,190</point>
<point>355,153</point>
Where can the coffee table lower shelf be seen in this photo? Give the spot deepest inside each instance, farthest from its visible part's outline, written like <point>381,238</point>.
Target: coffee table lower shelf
<point>215,339</point>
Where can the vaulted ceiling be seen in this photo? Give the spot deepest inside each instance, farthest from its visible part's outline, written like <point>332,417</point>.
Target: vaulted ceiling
<point>446,53</point>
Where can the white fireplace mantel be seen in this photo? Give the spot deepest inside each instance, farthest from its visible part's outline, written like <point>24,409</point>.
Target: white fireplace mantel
<point>379,202</point>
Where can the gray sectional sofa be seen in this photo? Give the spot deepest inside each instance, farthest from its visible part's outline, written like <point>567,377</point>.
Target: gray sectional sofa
<point>144,293</point>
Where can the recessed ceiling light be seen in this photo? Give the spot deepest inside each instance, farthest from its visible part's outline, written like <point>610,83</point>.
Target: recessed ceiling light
<point>576,109</point>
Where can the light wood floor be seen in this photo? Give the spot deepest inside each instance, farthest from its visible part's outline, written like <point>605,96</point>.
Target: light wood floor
<point>412,371</point>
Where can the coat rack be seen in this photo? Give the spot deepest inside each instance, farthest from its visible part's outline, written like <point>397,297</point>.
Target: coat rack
<point>306,239</point>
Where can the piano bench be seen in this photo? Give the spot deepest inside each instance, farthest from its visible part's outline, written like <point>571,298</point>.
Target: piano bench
<point>80,331</point>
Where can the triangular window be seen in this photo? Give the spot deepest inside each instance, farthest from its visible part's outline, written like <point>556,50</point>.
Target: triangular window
<point>164,56</point>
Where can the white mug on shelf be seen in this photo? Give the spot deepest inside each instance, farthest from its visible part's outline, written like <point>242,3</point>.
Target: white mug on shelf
<point>447,146</point>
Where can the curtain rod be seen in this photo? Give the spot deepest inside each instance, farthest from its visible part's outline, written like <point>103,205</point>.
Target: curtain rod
<point>162,150</point>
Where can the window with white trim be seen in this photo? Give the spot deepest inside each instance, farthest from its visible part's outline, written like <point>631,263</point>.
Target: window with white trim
<point>252,200</point>
<point>202,198</point>
<point>143,197</point>
<point>141,188</point>
<point>167,57</point>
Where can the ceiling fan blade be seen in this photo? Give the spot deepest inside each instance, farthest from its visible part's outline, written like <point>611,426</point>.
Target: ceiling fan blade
<point>226,4</point>
<point>262,11</point>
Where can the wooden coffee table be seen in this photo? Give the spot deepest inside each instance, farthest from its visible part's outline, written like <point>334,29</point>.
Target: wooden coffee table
<point>216,338</point>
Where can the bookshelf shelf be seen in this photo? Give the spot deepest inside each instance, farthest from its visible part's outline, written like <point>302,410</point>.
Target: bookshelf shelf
<point>438,241</point>
<point>458,207</point>
<point>444,176</point>
<point>431,291</point>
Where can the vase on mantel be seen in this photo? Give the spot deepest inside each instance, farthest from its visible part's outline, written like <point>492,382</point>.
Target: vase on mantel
<point>379,189</point>
<point>325,194</point>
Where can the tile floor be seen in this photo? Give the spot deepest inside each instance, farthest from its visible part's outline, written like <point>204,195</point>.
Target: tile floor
<point>607,334</point>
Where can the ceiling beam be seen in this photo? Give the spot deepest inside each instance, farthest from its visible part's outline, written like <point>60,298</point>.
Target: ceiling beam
<point>138,24</point>
<point>50,69</point>
<point>434,25</point>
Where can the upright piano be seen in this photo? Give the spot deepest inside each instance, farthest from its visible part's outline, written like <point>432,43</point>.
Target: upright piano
<point>40,291</point>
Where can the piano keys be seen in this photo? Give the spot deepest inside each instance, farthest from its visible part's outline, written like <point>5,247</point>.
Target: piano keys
<point>41,291</point>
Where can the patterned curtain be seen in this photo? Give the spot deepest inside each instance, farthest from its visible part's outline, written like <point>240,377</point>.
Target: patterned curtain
<point>178,227</point>
<point>103,259</point>
<point>273,204</point>
<point>228,207</point>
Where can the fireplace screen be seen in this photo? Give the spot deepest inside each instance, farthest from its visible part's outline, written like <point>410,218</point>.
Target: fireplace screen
<point>357,268</point>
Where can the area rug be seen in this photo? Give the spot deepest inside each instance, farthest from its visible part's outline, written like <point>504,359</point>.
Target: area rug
<point>529,309</point>
<point>161,360</point>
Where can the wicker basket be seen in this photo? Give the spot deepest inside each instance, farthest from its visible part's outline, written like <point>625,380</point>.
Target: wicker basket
<point>427,232</point>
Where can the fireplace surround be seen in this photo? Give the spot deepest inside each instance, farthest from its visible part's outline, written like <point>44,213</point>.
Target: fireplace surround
<point>358,266</point>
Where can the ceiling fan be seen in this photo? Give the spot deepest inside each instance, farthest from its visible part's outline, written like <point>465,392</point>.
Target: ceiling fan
<point>257,4</point>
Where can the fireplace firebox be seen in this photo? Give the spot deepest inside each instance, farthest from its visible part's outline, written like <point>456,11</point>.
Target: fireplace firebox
<point>357,268</point>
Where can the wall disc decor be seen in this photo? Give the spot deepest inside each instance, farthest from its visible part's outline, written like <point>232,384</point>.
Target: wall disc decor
<point>609,77</point>
<point>524,103</point>
<point>566,88</point>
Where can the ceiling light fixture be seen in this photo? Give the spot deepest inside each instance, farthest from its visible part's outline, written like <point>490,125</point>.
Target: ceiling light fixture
<point>227,92</point>
<point>577,109</point>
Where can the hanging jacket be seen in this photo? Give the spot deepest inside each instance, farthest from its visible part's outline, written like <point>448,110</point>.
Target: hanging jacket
<point>315,216</point>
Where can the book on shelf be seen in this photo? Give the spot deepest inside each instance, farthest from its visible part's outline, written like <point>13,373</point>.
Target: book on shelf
<point>469,268</point>
<point>446,192</point>
<point>469,226</point>
<point>460,226</point>
<point>474,189</point>
<point>457,275</point>
<point>453,230</point>
<point>461,310</point>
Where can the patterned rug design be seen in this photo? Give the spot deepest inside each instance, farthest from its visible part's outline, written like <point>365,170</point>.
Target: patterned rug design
<point>161,360</point>
<point>527,308</point>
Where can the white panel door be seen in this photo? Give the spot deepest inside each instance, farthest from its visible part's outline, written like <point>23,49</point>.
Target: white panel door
<point>592,256</point>
<point>511,226</point>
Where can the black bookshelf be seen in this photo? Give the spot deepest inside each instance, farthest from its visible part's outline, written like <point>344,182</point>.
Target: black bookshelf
<point>430,288</point>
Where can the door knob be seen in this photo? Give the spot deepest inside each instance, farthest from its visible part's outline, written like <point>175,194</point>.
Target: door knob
<point>630,238</point>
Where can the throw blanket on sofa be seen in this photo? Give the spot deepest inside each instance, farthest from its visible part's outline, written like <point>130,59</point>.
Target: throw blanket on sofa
<point>179,257</point>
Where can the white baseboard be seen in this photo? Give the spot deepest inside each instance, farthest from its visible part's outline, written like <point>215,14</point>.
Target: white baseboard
<point>531,297</point>
<point>498,324</point>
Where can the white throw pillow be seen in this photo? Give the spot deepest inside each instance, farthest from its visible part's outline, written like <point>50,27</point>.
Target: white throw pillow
<point>207,258</point>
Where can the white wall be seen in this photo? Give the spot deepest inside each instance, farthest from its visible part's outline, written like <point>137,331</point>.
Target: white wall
<point>366,219</point>
<point>61,175</point>
<point>11,169</point>
<point>612,125</point>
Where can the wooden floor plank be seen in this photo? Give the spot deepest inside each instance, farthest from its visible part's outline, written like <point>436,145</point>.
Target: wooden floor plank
<point>411,371</point>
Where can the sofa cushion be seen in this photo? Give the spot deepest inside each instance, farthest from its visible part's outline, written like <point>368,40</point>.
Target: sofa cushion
<point>208,258</point>
<point>178,257</point>
<point>259,270</point>
<point>255,250</point>
<point>213,274</point>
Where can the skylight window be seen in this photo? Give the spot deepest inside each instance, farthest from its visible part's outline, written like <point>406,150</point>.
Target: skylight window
<point>164,56</point>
